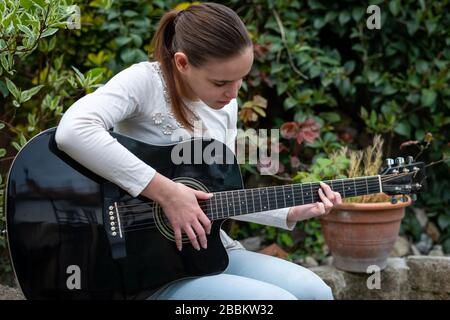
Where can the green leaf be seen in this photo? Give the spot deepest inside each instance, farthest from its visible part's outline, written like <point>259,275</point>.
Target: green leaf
<point>79,75</point>
<point>394,7</point>
<point>2,152</point>
<point>443,221</point>
<point>16,145</point>
<point>49,32</point>
<point>330,117</point>
<point>428,97</point>
<point>290,102</point>
<point>330,16</point>
<point>324,162</point>
<point>420,134</point>
<point>421,66</point>
<point>22,139</point>
<point>3,89</point>
<point>12,88</point>
<point>132,55</point>
<point>403,128</point>
<point>5,59</point>
<point>27,94</point>
<point>364,113</point>
<point>373,118</point>
<point>121,41</point>
<point>2,125</point>
<point>412,27</point>
<point>431,26</point>
<point>319,22</point>
<point>27,4</point>
<point>281,87</point>
<point>40,3</point>
<point>286,239</point>
<point>25,30</point>
<point>130,13</point>
<point>137,40</point>
<point>276,67</point>
<point>357,13</point>
<point>344,17</point>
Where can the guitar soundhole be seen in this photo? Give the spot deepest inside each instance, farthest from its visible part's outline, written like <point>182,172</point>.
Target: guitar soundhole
<point>161,220</point>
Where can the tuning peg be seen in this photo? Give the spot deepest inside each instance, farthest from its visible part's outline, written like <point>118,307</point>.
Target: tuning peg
<point>389,162</point>
<point>409,159</point>
<point>399,161</point>
<point>393,200</point>
<point>413,197</point>
<point>403,198</point>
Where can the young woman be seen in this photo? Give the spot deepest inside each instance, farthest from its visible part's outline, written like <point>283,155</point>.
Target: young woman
<point>202,53</point>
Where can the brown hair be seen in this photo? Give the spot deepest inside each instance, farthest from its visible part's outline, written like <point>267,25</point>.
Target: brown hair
<point>203,31</point>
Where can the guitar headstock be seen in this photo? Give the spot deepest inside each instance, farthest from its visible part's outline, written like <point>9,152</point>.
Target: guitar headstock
<point>400,177</point>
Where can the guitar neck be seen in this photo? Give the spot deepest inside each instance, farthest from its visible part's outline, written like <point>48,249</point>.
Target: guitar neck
<point>231,203</point>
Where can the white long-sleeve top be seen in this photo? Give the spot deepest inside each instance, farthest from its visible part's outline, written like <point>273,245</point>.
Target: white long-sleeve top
<point>135,103</point>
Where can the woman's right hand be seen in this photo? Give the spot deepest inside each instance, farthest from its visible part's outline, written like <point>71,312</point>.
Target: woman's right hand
<point>180,204</point>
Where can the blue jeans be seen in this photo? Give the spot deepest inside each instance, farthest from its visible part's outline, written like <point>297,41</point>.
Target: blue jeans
<point>251,276</point>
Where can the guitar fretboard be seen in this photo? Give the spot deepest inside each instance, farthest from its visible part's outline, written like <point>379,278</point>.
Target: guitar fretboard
<point>226,204</point>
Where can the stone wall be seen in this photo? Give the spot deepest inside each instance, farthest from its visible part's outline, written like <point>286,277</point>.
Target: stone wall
<point>412,277</point>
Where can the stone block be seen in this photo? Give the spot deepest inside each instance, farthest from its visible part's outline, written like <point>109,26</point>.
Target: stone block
<point>429,274</point>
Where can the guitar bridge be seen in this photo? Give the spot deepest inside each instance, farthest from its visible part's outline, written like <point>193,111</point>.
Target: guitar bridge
<point>111,221</point>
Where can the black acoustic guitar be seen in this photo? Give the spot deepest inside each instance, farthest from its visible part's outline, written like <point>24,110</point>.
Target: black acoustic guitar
<point>74,235</point>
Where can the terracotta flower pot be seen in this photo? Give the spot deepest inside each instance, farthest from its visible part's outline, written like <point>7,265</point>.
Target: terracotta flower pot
<point>362,234</point>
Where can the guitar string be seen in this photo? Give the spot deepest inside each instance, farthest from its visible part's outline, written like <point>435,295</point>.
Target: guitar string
<point>383,178</point>
<point>152,223</point>
<point>270,195</point>
<point>234,203</point>
<point>361,185</point>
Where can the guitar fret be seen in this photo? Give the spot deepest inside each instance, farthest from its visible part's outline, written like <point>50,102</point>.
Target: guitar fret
<point>294,201</point>
<point>207,210</point>
<point>217,209</point>
<point>284,197</point>
<point>276,201</point>
<point>218,202</point>
<point>343,187</point>
<point>232,203</point>
<point>246,201</point>
<point>253,199</point>
<point>240,202</point>
<point>293,195</point>
<point>354,185</point>
<point>227,204</point>
<point>224,204</point>
<point>268,201</point>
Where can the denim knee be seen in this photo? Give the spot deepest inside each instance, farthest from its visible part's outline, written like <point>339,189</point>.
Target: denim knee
<point>311,288</point>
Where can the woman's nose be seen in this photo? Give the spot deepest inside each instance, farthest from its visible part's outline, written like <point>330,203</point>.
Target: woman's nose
<point>232,91</point>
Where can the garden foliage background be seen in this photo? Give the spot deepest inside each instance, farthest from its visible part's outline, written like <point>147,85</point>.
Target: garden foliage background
<point>319,74</point>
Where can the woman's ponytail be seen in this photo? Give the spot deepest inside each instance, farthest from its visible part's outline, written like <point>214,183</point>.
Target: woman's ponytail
<point>203,31</point>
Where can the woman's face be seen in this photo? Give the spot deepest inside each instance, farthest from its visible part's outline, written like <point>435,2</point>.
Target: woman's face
<point>218,81</point>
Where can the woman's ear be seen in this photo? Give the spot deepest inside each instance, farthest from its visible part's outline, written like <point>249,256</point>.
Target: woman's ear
<point>181,61</point>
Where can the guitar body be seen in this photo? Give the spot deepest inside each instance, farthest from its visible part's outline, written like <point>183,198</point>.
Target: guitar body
<point>60,234</point>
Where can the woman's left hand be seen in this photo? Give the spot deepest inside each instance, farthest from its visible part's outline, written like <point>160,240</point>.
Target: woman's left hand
<point>329,200</point>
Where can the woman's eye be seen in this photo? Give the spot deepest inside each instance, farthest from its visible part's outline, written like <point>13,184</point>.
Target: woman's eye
<point>219,84</point>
